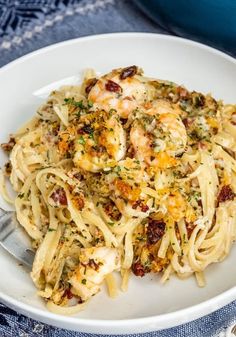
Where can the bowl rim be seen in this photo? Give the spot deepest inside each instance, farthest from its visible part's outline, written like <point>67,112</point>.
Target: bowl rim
<point>195,311</point>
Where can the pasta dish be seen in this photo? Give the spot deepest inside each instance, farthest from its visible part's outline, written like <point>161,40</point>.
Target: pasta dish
<point>123,174</point>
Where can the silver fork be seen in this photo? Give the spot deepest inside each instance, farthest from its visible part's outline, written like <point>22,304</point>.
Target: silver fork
<point>14,239</point>
<point>233,330</point>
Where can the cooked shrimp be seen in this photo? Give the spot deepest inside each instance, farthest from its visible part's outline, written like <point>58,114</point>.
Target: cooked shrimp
<point>122,94</point>
<point>95,264</point>
<point>158,135</point>
<point>101,143</point>
<point>161,106</point>
<point>172,124</point>
<point>141,142</point>
<point>149,149</point>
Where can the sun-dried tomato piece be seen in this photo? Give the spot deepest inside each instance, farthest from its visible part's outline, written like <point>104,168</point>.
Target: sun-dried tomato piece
<point>59,197</point>
<point>139,203</point>
<point>68,294</point>
<point>131,152</point>
<point>87,129</point>
<point>138,269</point>
<point>79,300</point>
<point>190,227</point>
<point>94,265</point>
<point>8,146</point>
<point>113,86</point>
<point>112,211</point>
<point>226,193</point>
<point>78,175</point>
<point>8,168</point>
<point>155,231</point>
<point>90,84</point>
<point>199,100</point>
<point>144,208</point>
<point>187,122</point>
<point>183,93</point>
<point>202,145</point>
<point>128,72</point>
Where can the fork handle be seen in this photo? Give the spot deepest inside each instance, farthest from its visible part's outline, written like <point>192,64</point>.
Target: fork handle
<point>7,226</point>
<point>3,212</point>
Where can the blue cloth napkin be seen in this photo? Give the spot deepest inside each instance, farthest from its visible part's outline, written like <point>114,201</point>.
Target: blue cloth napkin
<point>26,25</point>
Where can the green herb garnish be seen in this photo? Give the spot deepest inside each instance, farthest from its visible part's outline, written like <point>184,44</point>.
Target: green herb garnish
<point>81,140</point>
<point>71,101</point>
<point>111,223</point>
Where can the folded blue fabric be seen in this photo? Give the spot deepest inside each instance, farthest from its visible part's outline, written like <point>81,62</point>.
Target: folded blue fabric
<point>14,325</point>
<point>26,25</point>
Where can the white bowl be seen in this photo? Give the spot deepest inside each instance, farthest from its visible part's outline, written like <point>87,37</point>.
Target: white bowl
<point>147,306</point>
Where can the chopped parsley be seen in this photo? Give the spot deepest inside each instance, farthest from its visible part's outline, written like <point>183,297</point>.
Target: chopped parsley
<point>111,111</point>
<point>91,135</point>
<point>81,140</point>
<point>84,281</point>
<point>82,108</point>
<point>111,223</point>
<point>117,169</point>
<point>71,101</point>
